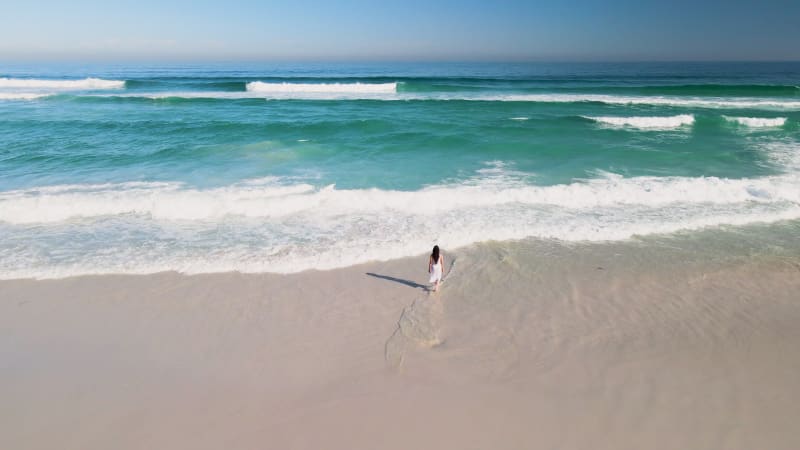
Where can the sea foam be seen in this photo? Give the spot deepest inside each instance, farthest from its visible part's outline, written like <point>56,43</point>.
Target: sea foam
<point>692,102</point>
<point>758,122</point>
<point>290,90</point>
<point>388,92</point>
<point>173,201</point>
<point>20,95</point>
<point>669,122</point>
<point>283,91</point>
<point>84,84</point>
<point>259,228</point>
<point>279,225</point>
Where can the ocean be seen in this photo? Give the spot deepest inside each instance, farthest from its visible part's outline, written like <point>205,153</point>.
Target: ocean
<point>284,167</point>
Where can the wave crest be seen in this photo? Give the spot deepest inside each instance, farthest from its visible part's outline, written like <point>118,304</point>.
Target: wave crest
<point>172,201</point>
<point>273,227</point>
<point>84,84</point>
<point>668,122</point>
<point>20,96</point>
<point>289,90</point>
<point>758,122</point>
<point>388,92</point>
<point>691,102</point>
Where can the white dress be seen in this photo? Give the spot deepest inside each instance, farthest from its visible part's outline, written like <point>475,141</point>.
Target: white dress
<point>436,271</point>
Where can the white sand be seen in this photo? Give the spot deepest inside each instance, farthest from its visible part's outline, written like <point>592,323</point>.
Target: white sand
<point>527,346</point>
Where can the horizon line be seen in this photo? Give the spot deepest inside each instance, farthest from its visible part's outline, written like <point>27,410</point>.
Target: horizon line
<point>178,60</point>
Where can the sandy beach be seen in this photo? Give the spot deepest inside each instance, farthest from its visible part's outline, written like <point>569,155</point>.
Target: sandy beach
<point>217,221</point>
<point>528,345</point>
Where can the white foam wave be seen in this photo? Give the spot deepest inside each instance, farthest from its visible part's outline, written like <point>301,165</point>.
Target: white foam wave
<point>84,84</point>
<point>388,92</point>
<point>305,90</point>
<point>758,122</point>
<point>167,201</point>
<point>20,96</point>
<point>270,228</point>
<point>172,201</point>
<point>321,94</point>
<point>669,122</point>
<point>783,155</point>
<point>696,102</point>
<point>223,95</point>
<point>385,92</point>
<point>237,95</point>
<point>519,118</point>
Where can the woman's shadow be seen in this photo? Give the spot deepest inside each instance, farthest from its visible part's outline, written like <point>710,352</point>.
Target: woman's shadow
<point>399,280</point>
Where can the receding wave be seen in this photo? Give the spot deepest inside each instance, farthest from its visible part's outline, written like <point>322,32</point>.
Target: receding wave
<point>644,122</point>
<point>83,84</point>
<point>758,122</point>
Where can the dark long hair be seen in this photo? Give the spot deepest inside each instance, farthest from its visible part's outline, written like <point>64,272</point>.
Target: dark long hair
<point>435,254</point>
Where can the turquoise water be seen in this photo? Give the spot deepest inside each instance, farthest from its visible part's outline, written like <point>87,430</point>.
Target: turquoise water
<point>286,167</point>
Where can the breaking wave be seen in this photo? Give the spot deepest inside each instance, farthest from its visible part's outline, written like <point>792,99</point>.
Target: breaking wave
<point>691,102</point>
<point>20,96</point>
<point>274,227</point>
<point>306,90</point>
<point>758,122</point>
<point>388,92</point>
<point>84,84</point>
<point>669,122</point>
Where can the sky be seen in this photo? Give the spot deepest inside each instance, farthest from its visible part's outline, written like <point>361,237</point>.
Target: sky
<point>390,30</point>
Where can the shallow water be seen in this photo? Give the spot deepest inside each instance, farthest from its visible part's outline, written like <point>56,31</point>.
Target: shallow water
<point>282,168</point>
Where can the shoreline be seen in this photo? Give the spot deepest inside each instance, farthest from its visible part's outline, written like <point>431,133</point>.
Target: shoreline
<point>529,344</point>
<point>732,242</point>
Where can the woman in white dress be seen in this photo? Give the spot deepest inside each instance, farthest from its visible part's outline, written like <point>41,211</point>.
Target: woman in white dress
<point>435,265</point>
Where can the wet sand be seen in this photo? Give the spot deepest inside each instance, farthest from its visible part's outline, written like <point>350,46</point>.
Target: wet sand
<point>528,345</point>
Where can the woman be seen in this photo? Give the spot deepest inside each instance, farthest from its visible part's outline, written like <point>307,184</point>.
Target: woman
<point>435,265</point>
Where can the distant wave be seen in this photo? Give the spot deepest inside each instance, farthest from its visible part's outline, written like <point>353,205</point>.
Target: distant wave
<point>740,90</point>
<point>84,84</point>
<point>303,89</point>
<point>202,95</point>
<point>359,91</point>
<point>697,102</point>
<point>758,122</point>
<point>669,122</point>
<point>20,96</point>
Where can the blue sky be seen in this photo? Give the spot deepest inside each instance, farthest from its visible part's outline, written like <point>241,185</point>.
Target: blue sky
<point>574,30</point>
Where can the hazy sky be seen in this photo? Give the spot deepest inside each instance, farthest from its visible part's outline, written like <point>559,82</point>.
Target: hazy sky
<point>574,30</point>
